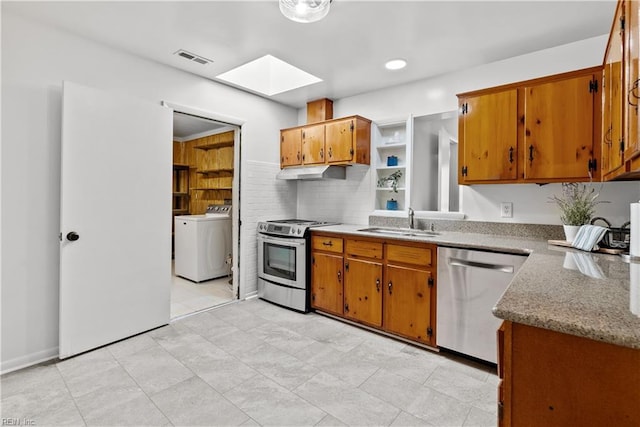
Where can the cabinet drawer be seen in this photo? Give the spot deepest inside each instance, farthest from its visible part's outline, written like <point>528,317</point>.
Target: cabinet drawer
<point>329,244</point>
<point>409,255</point>
<point>364,248</point>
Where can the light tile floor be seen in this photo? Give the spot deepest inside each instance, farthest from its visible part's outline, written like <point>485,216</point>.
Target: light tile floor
<point>188,297</point>
<point>253,363</point>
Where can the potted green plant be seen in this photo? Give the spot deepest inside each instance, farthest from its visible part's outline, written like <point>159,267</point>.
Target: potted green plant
<point>577,205</point>
<point>392,179</point>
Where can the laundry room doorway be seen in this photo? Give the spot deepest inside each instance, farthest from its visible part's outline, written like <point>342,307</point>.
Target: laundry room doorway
<point>205,211</point>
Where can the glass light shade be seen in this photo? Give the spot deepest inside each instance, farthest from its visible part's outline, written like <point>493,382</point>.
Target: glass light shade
<point>305,11</point>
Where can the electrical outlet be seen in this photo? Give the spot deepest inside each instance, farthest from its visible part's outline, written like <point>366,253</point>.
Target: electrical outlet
<point>506,210</point>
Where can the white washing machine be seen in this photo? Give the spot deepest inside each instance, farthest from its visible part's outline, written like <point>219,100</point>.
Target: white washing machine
<point>203,244</point>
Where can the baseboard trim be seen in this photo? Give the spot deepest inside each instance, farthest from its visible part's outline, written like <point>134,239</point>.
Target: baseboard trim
<point>251,295</point>
<point>28,360</point>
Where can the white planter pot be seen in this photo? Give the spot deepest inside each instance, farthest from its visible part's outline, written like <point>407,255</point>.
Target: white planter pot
<point>570,232</point>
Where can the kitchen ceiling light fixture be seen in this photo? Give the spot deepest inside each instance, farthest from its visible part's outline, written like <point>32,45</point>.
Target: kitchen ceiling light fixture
<point>305,11</point>
<point>395,64</point>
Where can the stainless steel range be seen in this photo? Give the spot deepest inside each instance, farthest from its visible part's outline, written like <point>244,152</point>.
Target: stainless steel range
<point>284,252</point>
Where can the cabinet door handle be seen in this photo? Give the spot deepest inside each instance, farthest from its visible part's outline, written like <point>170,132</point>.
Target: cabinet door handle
<point>510,154</point>
<point>531,153</point>
<point>329,243</point>
<point>378,285</point>
<point>330,152</point>
<point>607,136</point>
<point>298,155</point>
<point>322,153</point>
<point>390,286</point>
<point>303,156</point>
<point>339,276</point>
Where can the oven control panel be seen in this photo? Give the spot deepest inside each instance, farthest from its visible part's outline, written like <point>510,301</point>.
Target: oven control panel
<point>291,230</point>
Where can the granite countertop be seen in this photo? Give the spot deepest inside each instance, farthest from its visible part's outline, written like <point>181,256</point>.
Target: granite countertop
<point>560,289</point>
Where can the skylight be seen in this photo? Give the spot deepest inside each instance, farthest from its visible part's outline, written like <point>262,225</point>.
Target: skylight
<point>269,76</point>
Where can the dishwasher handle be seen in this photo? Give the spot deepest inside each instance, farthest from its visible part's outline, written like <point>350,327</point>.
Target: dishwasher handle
<point>457,262</point>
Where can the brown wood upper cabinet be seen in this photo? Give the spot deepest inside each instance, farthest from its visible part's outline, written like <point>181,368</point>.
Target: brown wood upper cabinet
<point>631,53</point>
<point>340,141</point>
<point>348,140</point>
<point>613,100</point>
<point>290,147</point>
<point>621,95</point>
<point>313,145</point>
<point>559,128</point>
<point>488,137</point>
<point>541,130</point>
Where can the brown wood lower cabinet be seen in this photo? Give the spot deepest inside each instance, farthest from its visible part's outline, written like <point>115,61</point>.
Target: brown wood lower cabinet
<point>407,303</point>
<point>326,273</point>
<point>387,284</point>
<point>555,379</point>
<point>362,291</point>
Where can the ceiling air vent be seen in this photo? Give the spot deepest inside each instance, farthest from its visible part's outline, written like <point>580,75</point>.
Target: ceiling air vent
<point>192,57</point>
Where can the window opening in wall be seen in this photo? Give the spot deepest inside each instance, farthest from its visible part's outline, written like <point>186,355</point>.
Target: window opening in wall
<point>435,159</point>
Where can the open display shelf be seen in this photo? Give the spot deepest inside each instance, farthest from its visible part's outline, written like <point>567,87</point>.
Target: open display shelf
<point>392,142</point>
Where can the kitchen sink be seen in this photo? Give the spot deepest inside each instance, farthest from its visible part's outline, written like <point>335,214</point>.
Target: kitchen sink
<point>400,231</point>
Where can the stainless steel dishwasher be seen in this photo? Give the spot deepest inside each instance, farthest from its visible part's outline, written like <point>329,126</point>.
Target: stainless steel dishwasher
<point>470,282</point>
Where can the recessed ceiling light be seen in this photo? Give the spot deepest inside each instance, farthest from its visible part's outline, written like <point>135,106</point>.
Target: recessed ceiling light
<point>395,64</point>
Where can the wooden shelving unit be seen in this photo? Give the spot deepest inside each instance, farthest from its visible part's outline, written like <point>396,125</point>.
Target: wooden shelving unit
<point>215,145</point>
<point>180,189</point>
<point>209,162</point>
<point>215,172</point>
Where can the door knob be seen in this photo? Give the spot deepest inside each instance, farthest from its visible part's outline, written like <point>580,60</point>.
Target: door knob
<point>72,236</point>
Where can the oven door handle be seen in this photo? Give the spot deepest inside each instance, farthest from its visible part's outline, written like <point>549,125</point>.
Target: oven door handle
<point>282,240</point>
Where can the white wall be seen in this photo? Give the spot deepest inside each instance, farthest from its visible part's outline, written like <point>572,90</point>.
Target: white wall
<point>347,201</point>
<point>437,95</point>
<point>35,61</point>
<point>264,198</point>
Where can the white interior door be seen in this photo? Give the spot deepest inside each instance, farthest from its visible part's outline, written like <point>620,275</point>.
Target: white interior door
<point>115,278</point>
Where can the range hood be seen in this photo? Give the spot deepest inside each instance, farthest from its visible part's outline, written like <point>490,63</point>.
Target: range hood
<point>313,172</point>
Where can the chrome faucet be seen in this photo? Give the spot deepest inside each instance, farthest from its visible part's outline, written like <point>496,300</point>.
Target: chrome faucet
<point>411,223</point>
